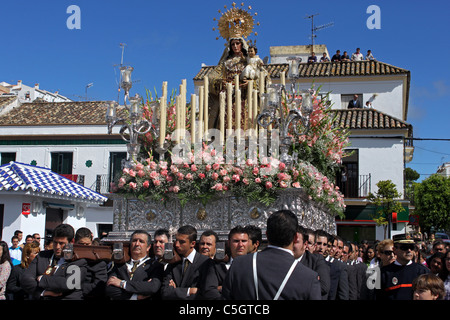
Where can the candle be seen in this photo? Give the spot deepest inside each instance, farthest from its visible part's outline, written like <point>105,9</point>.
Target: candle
<point>201,93</point>
<point>255,113</point>
<point>222,117</point>
<point>229,106</point>
<point>193,109</point>
<point>283,78</point>
<point>261,85</point>
<point>250,104</point>
<point>178,119</point>
<point>162,120</point>
<point>205,113</point>
<point>238,115</point>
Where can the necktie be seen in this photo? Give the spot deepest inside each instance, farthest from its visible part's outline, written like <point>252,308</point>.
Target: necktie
<point>133,269</point>
<point>186,265</point>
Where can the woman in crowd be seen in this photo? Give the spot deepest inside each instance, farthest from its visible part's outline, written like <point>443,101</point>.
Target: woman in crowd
<point>5,268</point>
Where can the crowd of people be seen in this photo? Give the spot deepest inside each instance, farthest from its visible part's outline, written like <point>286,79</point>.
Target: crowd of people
<point>295,263</point>
<point>338,57</point>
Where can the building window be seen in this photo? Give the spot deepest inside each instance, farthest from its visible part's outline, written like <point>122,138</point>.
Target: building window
<point>115,165</point>
<point>7,157</point>
<point>62,162</point>
<point>346,98</point>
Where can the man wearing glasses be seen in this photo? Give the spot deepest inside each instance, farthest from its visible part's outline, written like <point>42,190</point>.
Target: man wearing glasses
<point>397,277</point>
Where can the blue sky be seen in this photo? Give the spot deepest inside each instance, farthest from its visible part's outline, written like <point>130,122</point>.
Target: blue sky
<point>169,40</point>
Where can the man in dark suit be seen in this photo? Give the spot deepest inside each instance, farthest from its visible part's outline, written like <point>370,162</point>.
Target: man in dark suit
<point>311,260</point>
<point>182,278</point>
<point>239,244</point>
<point>352,271</point>
<point>139,278</point>
<point>355,103</point>
<point>338,279</point>
<point>273,273</point>
<point>50,277</point>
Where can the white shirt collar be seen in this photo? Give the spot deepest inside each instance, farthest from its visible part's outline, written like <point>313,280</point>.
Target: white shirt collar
<point>191,256</point>
<point>280,248</point>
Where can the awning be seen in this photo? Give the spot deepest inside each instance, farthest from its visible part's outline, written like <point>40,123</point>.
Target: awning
<point>16,176</point>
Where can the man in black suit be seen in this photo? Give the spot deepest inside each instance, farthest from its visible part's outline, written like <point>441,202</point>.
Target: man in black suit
<point>313,261</point>
<point>352,271</point>
<point>239,244</point>
<point>355,103</point>
<point>338,279</point>
<point>182,278</point>
<point>273,273</point>
<point>50,277</point>
<point>139,278</point>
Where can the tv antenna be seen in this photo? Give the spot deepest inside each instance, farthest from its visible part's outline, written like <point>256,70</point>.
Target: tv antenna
<point>314,29</point>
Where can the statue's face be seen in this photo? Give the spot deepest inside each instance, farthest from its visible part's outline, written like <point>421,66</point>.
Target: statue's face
<point>236,46</point>
<point>251,52</point>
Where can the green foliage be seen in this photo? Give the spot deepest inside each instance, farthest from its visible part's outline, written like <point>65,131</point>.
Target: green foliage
<point>385,200</point>
<point>432,201</point>
<point>411,174</point>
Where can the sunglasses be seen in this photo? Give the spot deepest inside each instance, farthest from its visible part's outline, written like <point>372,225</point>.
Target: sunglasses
<point>406,247</point>
<point>388,252</point>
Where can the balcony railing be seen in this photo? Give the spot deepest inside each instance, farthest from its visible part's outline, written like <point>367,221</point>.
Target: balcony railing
<point>101,184</point>
<point>355,186</point>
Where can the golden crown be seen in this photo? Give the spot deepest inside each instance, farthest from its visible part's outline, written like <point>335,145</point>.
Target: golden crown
<point>236,22</point>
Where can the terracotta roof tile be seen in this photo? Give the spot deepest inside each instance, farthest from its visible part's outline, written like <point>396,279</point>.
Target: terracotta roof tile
<point>362,118</point>
<point>56,113</point>
<point>326,69</point>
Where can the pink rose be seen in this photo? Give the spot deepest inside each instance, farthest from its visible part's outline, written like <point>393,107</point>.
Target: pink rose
<point>189,176</point>
<point>255,170</point>
<point>215,176</point>
<point>258,180</point>
<point>208,167</point>
<point>216,166</point>
<point>157,182</point>
<point>180,176</point>
<point>268,185</point>
<point>132,173</point>
<point>283,184</point>
<point>146,184</point>
<point>176,189</point>
<point>226,179</point>
<point>194,167</point>
<point>282,166</point>
<point>236,178</point>
<point>223,172</point>
<point>201,175</point>
<point>125,171</point>
<point>133,185</point>
<point>296,184</point>
<point>141,173</point>
<point>164,172</point>
<point>218,187</point>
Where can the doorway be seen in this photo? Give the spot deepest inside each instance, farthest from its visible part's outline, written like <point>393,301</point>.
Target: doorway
<point>53,218</point>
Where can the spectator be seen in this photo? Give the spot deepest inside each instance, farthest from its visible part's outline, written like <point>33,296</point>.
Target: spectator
<point>37,238</point>
<point>15,251</point>
<point>355,103</point>
<point>5,268</point>
<point>438,246</point>
<point>436,263</point>
<point>324,58</point>
<point>428,287</point>
<point>312,58</point>
<point>28,239</point>
<point>369,55</point>
<point>446,276</point>
<point>357,56</point>
<point>385,252</point>
<point>13,288</point>
<point>336,57</point>
<point>345,56</point>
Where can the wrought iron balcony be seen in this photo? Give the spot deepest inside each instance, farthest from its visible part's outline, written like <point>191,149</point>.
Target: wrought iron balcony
<point>355,186</point>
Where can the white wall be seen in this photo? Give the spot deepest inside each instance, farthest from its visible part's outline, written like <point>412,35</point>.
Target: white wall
<point>382,158</point>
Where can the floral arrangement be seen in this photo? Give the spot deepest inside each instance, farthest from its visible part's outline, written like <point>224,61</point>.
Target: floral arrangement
<point>203,172</point>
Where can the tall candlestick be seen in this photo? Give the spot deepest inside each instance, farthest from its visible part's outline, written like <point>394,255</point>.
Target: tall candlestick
<point>250,104</point>
<point>193,109</point>
<point>222,117</point>
<point>205,114</point>
<point>255,113</point>
<point>229,106</point>
<point>238,115</point>
<point>162,120</point>
<point>178,119</point>
<point>283,78</point>
<point>201,102</point>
